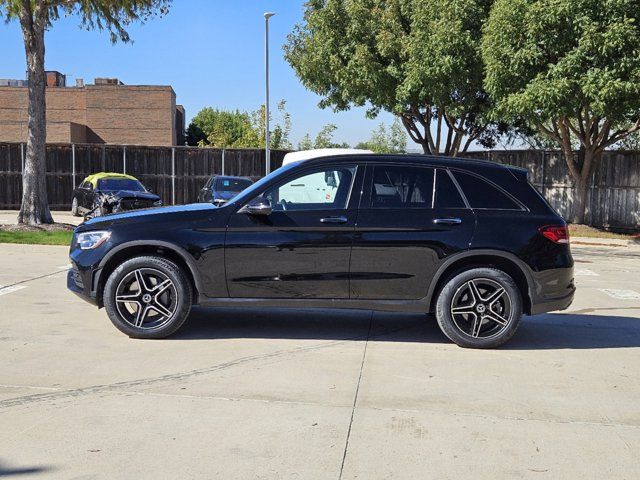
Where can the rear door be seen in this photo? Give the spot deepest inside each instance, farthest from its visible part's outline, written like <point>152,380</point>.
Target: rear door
<point>411,218</point>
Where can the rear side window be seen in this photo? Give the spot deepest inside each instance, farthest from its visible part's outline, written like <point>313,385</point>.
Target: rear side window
<point>401,187</point>
<point>447,194</point>
<point>481,194</point>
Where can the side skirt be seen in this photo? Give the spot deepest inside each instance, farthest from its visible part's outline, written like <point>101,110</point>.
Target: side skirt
<point>418,306</point>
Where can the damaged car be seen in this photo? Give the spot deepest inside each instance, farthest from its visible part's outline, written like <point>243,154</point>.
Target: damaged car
<point>103,193</point>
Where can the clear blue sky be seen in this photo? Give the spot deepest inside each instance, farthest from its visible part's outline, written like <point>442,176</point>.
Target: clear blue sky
<point>211,52</point>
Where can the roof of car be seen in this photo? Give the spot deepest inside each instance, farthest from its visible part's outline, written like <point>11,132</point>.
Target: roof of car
<point>320,152</point>
<point>93,179</point>
<point>434,160</point>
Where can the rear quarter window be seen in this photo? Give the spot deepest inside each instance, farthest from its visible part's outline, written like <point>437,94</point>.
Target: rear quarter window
<point>482,194</point>
<point>447,194</point>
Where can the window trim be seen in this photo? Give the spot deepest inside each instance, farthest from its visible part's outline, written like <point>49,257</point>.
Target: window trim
<point>522,208</point>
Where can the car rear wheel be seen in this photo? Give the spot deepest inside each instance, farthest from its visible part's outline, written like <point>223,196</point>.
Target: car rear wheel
<point>74,207</point>
<point>148,297</point>
<point>479,308</point>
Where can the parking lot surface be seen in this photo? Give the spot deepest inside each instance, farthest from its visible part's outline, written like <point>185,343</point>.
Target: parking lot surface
<point>317,394</point>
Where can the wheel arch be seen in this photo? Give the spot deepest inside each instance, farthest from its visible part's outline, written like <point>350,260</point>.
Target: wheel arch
<point>504,261</point>
<point>157,248</point>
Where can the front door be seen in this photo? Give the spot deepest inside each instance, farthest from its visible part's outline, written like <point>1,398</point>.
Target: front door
<point>411,218</point>
<point>301,249</point>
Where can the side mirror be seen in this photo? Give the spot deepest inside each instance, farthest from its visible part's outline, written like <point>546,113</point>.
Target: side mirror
<point>258,206</point>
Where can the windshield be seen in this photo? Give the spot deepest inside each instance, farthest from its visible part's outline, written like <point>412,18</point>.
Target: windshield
<point>115,184</point>
<point>257,187</point>
<point>232,184</point>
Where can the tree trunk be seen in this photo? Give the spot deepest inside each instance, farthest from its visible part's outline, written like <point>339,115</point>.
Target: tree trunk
<point>580,189</point>
<point>35,206</point>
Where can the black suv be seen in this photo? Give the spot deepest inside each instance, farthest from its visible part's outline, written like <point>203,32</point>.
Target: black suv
<point>471,241</point>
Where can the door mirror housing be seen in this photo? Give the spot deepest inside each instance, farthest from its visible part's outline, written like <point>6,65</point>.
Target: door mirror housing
<point>258,206</point>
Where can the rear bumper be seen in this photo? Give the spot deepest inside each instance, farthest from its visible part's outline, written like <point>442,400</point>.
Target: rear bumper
<point>552,290</point>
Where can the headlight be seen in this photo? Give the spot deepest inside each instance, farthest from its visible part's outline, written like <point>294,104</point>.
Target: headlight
<point>89,240</point>
<point>157,203</point>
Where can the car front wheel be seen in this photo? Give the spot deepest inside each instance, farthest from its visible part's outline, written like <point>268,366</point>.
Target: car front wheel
<point>148,297</point>
<point>479,308</point>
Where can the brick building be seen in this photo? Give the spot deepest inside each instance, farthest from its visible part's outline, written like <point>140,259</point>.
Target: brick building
<point>106,112</point>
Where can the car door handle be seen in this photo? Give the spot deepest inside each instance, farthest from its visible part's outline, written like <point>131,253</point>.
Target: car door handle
<point>447,221</point>
<point>334,220</point>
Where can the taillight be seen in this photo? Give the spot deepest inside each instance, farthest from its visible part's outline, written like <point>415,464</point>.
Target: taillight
<point>556,233</point>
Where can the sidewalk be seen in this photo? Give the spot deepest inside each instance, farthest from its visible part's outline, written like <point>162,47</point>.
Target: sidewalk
<point>11,216</point>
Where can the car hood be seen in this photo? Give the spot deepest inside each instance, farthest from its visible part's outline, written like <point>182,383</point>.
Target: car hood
<point>145,215</point>
<point>132,194</point>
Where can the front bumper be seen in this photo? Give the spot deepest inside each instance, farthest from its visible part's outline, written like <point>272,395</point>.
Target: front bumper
<point>77,285</point>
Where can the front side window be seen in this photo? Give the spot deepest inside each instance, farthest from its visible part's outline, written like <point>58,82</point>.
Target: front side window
<point>402,187</point>
<point>320,190</point>
<point>481,194</point>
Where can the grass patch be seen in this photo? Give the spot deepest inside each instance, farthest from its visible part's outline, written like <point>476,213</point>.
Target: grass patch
<point>41,237</point>
<point>576,230</point>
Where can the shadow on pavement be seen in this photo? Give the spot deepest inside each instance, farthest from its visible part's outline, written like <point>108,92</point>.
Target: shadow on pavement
<point>576,331</point>
<point>6,471</point>
<point>549,331</point>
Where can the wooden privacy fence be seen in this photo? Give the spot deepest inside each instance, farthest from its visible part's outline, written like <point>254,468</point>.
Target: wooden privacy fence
<point>178,173</point>
<point>175,173</point>
<point>613,200</point>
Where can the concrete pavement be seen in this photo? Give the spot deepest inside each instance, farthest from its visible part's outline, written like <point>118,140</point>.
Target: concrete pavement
<point>317,394</point>
<point>11,216</point>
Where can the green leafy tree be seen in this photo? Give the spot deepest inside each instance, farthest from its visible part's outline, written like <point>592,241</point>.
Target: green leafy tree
<point>35,18</point>
<point>279,135</point>
<point>571,69</point>
<point>237,129</point>
<point>221,128</point>
<point>306,143</point>
<point>382,141</point>
<point>324,139</point>
<point>419,59</point>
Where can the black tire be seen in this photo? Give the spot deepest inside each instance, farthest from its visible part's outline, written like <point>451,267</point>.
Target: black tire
<point>468,314</point>
<point>174,297</point>
<point>74,207</point>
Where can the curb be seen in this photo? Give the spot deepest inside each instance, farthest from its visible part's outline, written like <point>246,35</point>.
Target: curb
<point>605,242</point>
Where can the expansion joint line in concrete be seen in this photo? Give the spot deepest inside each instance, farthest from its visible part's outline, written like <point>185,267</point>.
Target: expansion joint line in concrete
<point>355,397</point>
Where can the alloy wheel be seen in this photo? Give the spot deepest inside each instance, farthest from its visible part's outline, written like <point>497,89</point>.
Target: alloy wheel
<point>146,298</point>
<point>481,308</point>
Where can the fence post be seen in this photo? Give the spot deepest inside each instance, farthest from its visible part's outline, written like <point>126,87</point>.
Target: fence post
<point>173,176</point>
<point>223,152</point>
<point>544,180</point>
<point>124,159</point>
<point>73,164</point>
<point>22,156</point>
<point>104,160</point>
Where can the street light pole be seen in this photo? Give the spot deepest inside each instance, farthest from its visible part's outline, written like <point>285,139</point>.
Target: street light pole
<point>267,150</point>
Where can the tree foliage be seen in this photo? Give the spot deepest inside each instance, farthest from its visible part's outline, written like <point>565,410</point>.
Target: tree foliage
<point>382,140</point>
<point>35,17</point>
<point>324,139</point>
<point>419,59</point>
<point>237,129</point>
<point>571,69</point>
